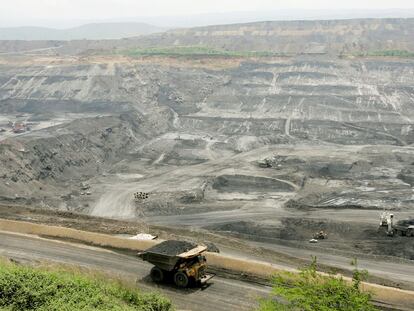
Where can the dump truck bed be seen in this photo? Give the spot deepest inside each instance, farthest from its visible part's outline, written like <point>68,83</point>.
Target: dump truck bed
<point>167,254</point>
<point>172,248</point>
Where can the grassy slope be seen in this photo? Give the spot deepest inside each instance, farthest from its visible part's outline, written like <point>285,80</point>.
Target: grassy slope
<point>27,288</point>
<point>177,51</point>
<point>392,53</point>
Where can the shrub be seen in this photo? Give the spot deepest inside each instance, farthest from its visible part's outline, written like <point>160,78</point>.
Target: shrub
<point>26,288</point>
<point>311,291</point>
<point>388,53</point>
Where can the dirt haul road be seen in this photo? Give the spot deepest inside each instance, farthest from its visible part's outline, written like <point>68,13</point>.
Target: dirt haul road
<point>222,294</point>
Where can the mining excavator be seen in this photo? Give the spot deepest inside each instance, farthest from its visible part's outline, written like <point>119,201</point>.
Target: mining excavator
<point>320,235</point>
<point>402,227</point>
<point>182,261</point>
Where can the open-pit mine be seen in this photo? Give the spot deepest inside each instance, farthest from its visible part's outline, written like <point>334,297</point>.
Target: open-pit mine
<point>253,151</point>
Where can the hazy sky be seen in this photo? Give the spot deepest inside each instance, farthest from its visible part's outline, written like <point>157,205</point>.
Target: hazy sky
<point>25,11</point>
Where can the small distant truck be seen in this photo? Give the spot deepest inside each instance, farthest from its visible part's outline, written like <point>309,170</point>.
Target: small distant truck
<point>182,261</point>
<point>402,227</point>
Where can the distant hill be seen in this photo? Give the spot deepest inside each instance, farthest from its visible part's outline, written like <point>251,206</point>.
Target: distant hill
<point>390,36</point>
<point>292,37</point>
<point>225,18</point>
<point>96,31</point>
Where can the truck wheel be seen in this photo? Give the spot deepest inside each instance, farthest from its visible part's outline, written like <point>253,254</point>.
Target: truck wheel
<point>181,279</point>
<point>156,274</point>
<point>410,232</point>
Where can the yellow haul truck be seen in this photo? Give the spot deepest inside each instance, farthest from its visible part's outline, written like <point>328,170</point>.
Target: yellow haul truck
<point>182,261</point>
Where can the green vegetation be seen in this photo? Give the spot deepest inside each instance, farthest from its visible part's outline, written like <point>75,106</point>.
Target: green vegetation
<point>26,288</point>
<point>389,53</point>
<point>310,291</point>
<point>179,51</point>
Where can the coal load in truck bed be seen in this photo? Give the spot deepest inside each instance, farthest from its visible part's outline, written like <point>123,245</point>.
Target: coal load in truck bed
<point>172,247</point>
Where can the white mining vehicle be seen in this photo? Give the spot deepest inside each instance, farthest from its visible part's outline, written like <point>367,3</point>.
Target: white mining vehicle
<point>402,227</point>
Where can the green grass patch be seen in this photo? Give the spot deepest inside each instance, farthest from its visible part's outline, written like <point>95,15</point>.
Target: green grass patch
<point>191,51</point>
<point>389,53</point>
<point>310,291</point>
<point>41,289</point>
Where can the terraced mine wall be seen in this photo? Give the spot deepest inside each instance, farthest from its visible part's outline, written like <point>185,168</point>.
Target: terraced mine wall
<point>250,104</point>
<point>38,167</point>
<point>352,99</point>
